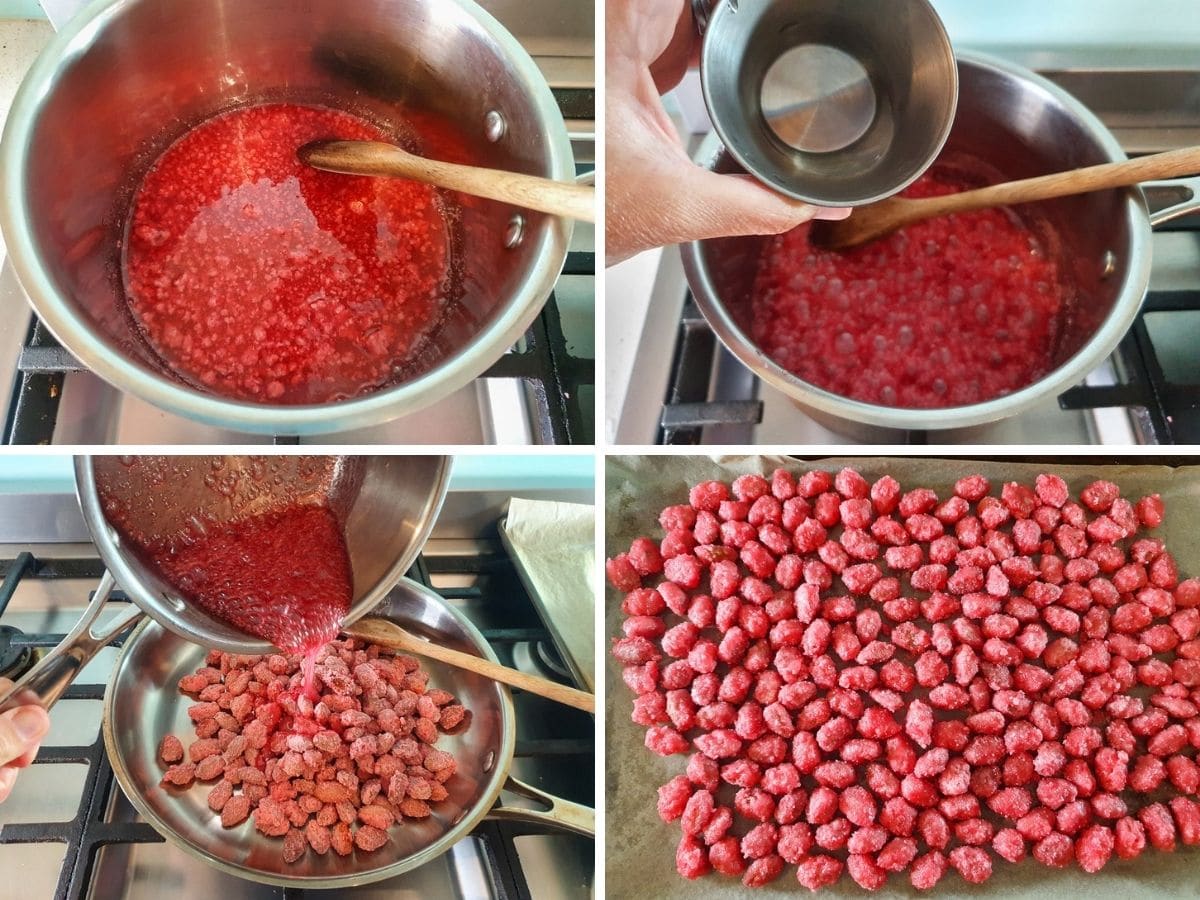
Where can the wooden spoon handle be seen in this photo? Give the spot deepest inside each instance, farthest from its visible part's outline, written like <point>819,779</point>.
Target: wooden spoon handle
<point>388,635</point>
<point>1172,164</point>
<point>576,201</point>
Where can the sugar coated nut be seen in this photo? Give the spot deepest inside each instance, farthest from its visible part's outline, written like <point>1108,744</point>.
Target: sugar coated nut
<point>170,750</point>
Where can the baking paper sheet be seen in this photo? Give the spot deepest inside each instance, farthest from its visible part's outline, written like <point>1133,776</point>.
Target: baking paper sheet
<point>555,545</point>
<point>640,857</point>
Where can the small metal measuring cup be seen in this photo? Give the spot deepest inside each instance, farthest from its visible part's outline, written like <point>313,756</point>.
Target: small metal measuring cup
<point>387,506</point>
<point>832,102</point>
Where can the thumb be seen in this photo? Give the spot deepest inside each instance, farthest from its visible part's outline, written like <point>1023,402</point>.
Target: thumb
<point>735,205</point>
<point>20,731</point>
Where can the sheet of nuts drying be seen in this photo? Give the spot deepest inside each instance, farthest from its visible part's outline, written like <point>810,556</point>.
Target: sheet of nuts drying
<point>886,681</point>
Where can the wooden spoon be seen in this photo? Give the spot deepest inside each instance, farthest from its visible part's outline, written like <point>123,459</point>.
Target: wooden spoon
<point>575,201</point>
<point>390,635</point>
<point>871,222</point>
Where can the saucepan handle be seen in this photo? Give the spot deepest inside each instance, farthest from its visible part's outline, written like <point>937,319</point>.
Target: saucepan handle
<point>702,10</point>
<point>45,682</point>
<point>561,815</point>
<point>1170,200</point>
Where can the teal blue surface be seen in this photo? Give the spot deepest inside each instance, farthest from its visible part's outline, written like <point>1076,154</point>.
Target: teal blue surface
<point>1071,23</point>
<point>21,9</point>
<point>1016,23</point>
<point>492,471</point>
<point>26,474</point>
<point>22,474</point>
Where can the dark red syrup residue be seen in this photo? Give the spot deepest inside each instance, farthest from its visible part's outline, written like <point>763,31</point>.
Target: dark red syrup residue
<point>262,279</point>
<point>283,576</point>
<point>952,311</point>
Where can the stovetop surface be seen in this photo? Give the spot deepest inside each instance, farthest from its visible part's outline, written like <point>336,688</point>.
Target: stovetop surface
<point>67,831</point>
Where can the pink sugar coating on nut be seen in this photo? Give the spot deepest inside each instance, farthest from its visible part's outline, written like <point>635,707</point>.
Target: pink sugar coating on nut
<point>332,772</point>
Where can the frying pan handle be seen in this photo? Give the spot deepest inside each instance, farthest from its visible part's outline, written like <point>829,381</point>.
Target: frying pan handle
<point>1177,198</point>
<point>45,682</point>
<point>561,815</point>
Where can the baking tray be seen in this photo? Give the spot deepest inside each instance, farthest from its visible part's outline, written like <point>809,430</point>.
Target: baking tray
<point>640,848</point>
<point>568,650</point>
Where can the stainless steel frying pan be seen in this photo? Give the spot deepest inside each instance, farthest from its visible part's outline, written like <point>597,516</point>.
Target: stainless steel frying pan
<point>143,703</point>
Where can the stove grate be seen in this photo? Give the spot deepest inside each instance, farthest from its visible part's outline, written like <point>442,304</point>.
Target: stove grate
<point>688,409</point>
<point>88,831</point>
<point>552,375</point>
<point>1168,412</point>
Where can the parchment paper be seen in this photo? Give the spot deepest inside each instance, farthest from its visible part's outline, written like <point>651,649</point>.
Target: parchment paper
<point>555,546</point>
<point>640,858</point>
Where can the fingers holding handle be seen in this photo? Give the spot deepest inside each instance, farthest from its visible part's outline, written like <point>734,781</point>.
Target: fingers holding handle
<point>21,731</point>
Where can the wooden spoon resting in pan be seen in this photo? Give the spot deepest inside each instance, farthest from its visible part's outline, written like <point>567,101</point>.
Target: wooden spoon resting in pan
<point>575,201</point>
<point>868,223</point>
<point>390,635</point>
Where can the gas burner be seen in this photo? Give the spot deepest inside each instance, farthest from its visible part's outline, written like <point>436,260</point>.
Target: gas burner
<point>540,658</point>
<point>14,661</point>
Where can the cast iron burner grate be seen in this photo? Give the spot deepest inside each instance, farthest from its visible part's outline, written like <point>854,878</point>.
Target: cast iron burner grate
<point>1166,411</point>
<point>1164,404</point>
<point>551,374</point>
<point>93,828</point>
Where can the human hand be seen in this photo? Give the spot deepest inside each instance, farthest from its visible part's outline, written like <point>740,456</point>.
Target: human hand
<point>654,194</point>
<point>21,731</point>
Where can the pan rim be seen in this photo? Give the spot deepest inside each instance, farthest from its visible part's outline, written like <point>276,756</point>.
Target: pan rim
<point>854,413</point>
<point>453,835</point>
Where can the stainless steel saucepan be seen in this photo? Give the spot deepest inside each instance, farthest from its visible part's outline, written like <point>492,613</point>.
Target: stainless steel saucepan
<point>387,506</point>
<point>125,78</point>
<point>1021,125</point>
<point>143,703</point>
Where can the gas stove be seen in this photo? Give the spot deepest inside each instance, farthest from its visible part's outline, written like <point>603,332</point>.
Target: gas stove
<point>540,392</point>
<point>68,832</point>
<point>691,390</point>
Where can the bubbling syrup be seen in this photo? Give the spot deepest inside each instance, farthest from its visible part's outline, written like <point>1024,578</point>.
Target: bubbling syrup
<point>259,278</point>
<point>283,576</point>
<point>948,312</point>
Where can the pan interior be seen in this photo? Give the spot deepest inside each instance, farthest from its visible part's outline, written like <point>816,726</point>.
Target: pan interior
<point>1015,128</point>
<point>429,71</point>
<point>385,504</point>
<point>143,703</point>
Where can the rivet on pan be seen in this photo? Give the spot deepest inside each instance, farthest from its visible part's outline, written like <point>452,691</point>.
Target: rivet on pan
<point>176,602</point>
<point>515,232</point>
<point>1108,264</point>
<point>489,761</point>
<point>494,126</point>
